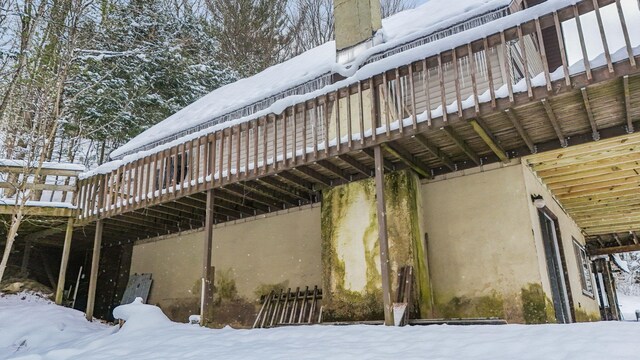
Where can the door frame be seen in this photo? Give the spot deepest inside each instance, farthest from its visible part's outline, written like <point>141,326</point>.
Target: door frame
<point>555,247</point>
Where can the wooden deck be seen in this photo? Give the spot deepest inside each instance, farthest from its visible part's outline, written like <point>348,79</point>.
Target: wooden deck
<point>284,160</point>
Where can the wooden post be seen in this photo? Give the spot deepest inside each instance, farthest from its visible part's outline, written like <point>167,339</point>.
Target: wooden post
<point>382,236</point>
<point>207,281</point>
<point>93,279</point>
<point>25,258</point>
<point>65,260</point>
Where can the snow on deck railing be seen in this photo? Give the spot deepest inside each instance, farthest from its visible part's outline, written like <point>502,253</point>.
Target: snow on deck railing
<point>408,91</point>
<point>48,184</point>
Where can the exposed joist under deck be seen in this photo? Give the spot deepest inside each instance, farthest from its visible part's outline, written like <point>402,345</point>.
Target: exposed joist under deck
<point>598,184</point>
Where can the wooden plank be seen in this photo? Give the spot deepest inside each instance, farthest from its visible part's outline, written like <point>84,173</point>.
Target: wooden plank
<point>625,33</point>
<point>488,138</point>
<point>554,122</point>
<point>412,93</point>
<point>443,95</point>
<point>563,54</point>
<point>336,104</point>
<point>507,68</point>
<point>414,163</point>
<point>364,170</point>
<point>427,90</point>
<point>592,121</point>
<point>474,81</point>
<point>525,64</point>
<point>603,36</point>
<point>399,102</point>
<point>543,55</point>
<point>461,144</point>
<point>207,278</point>
<point>583,47</point>
<point>66,249</point>
<point>361,113</point>
<point>456,81</point>
<point>492,90</point>
<point>93,277</point>
<point>327,165</point>
<point>614,250</point>
<point>435,151</point>
<point>627,103</point>
<point>383,236</point>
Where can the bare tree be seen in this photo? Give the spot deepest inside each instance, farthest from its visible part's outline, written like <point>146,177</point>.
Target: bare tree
<point>253,34</point>
<point>31,100</point>
<point>314,23</point>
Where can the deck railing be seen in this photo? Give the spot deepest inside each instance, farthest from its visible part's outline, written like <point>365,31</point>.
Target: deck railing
<point>43,185</point>
<point>495,71</point>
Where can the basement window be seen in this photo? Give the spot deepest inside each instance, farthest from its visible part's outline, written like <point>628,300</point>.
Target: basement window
<point>584,268</point>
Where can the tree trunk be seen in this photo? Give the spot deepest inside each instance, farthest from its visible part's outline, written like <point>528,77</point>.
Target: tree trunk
<point>13,232</point>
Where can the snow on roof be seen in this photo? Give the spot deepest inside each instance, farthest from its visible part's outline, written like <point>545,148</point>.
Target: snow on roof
<point>403,27</point>
<point>45,165</point>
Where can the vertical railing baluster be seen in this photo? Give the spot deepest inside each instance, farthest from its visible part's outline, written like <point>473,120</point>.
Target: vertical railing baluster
<point>360,113</point>
<point>603,36</point>
<point>487,57</point>
<point>507,66</point>
<point>325,119</point>
<point>563,53</point>
<point>304,132</point>
<point>265,130</point>
<point>456,80</point>
<point>399,107</point>
<point>336,103</point>
<point>427,91</point>
<point>443,95</point>
<point>349,128</point>
<point>474,81</point>
<point>525,62</point>
<point>583,48</point>
<point>543,55</point>
<point>238,149</point>
<point>385,96</point>
<point>229,153</point>
<point>284,119</point>
<point>625,33</point>
<point>374,122</point>
<point>412,91</point>
<point>212,159</point>
<point>294,140</point>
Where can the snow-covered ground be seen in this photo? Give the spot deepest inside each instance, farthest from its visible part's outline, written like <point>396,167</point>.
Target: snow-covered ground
<point>628,306</point>
<point>33,328</point>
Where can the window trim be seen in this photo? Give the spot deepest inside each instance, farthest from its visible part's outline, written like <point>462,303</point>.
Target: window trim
<point>583,263</point>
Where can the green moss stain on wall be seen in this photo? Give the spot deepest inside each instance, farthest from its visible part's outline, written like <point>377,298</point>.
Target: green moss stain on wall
<point>583,316</point>
<point>488,306</point>
<point>536,307</point>
<point>363,301</point>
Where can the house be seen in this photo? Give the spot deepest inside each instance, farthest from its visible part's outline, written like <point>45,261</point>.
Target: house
<point>486,148</point>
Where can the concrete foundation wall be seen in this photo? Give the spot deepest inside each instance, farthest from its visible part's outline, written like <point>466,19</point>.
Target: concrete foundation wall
<point>280,250</point>
<point>586,307</point>
<point>481,249</point>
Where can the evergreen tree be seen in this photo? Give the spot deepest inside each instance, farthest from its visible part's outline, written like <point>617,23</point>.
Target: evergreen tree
<point>147,62</point>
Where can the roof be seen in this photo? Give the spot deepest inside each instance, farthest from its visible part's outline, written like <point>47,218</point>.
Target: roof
<point>305,73</point>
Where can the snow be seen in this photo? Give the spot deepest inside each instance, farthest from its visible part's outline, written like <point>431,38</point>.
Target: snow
<point>352,74</point>
<point>52,204</point>
<point>45,165</point>
<point>628,306</point>
<point>621,263</point>
<point>48,331</point>
<point>432,16</point>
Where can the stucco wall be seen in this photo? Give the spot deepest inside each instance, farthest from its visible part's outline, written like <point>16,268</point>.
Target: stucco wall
<point>481,249</point>
<point>586,307</point>
<point>283,248</point>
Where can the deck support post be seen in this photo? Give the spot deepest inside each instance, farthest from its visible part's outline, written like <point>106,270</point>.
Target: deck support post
<point>93,278</point>
<point>206,295</point>
<point>65,260</point>
<point>383,236</point>
<point>26,256</point>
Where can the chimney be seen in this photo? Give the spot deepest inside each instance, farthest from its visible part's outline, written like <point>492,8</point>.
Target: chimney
<point>356,22</point>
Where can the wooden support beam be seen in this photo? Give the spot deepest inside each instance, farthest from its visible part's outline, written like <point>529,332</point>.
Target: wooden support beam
<point>633,237</point>
<point>335,170</point>
<point>592,122</point>
<point>65,260</point>
<point>279,196</point>
<point>435,151</point>
<point>627,103</point>
<point>554,122</point>
<point>483,131</point>
<point>356,165</point>
<point>388,165</point>
<point>244,193</point>
<point>614,250</point>
<point>316,176</point>
<point>385,264</point>
<point>294,180</point>
<point>279,187</point>
<point>93,278</point>
<point>448,130</point>
<point>206,291</point>
<point>223,194</point>
<point>515,121</point>
<point>414,163</point>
